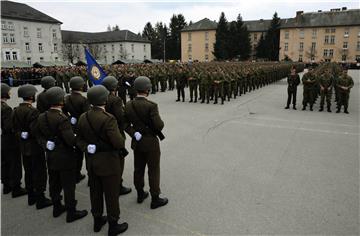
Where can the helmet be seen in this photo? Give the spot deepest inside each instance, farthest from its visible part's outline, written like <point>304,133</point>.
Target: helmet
<point>5,89</point>
<point>26,91</point>
<point>110,82</point>
<point>142,83</point>
<point>55,95</point>
<point>48,82</point>
<point>97,95</point>
<point>77,83</point>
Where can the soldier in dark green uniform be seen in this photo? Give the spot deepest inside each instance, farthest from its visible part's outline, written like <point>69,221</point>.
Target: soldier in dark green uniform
<point>308,80</point>
<point>100,138</point>
<point>75,105</point>
<point>193,86</point>
<point>144,126</point>
<point>33,155</point>
<point>114,106</point>
<point>293,81</point>
<point>11,170</point>
<point>344,84</point>
<point>326,83</point>
<point>41,102</point>
<point>181,79</point>
<point>56,136</point>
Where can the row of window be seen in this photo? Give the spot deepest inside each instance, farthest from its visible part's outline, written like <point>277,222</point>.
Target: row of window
<point>206,57</point>
<point>122,57</point>
<point>313,46</point>
<point>113,47</point>
<point>13,56</point>
<point>314,33</point>
<point>10,26</point>
<point>206,47</point>
<point>327,56</point>
<point>40,47</point>
<point>206,36</point>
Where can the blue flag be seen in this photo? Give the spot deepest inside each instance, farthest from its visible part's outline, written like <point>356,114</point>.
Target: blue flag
<point>95,72</point>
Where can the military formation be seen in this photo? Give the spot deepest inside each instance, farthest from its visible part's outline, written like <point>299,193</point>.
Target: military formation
<point>322,82</point>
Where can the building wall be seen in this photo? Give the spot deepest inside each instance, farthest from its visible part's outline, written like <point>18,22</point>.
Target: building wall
<point>295,53</point>
<point>18,32</point>
<point>254,40</point>
<point>198,42</point>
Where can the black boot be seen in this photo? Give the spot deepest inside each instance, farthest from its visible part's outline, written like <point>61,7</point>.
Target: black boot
<point>346,111</point>
<point>31,198</point>
<point>42,202</point>
<point>321,109</point>
<point>79,178</point>
<point>18,191</point>
<point>191,100</point>
<point>99,222</point>
<point>115,228</point>
<point>73,214</point>
<point>177,100</point>
<point>338,110</point>
<point>141,196</point>
<point>304,108</point>
<point>6,189</point>
<point>202,101</point>
<point>287,107</point>
<point>311,108</point>
<point>124,190</point>
<point>294,107</point>
<point>58,209</point>
<point>328,109</point>
<point>158,202</point>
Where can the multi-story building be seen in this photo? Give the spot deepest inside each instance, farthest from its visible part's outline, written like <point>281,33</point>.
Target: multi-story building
<point>321,36</point>
<point>29,35</point>
<point>256,28</point>
<point>106,47</point>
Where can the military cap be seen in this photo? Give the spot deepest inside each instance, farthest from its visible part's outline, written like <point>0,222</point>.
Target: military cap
<point>48,82</point>
<point>142,83</point>
<point>55,95</point>
<point>5,89</point>
<point>97,95</point>
<point>26,91</point>
<point>110,82</point>
<point>77,83</point>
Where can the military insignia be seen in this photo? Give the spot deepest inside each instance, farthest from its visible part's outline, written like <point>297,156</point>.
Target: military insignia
<point>95,72</point>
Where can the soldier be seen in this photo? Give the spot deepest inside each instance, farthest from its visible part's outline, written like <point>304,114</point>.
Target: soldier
<point>42,104</point>
<point>11,170</point>
<point>345,83</point>
<point>181,79</point>
<point>100,138</point>
<point>308,80</point>
<point>75,105</point>
<point>114,106</point>
<point>193,86</point>
<point>145,127</point>
<point>32,154</point>
<point>293,81</point>
<point>55,134</point>
<point>326,82</point>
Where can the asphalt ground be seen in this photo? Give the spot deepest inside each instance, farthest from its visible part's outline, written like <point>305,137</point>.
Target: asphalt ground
<point>246,167</point>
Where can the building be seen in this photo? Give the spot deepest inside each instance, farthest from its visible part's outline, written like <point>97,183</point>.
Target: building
<point>256,28</point>
<point>321,36</point>
<point>106,47</point>
<point>29,35</point>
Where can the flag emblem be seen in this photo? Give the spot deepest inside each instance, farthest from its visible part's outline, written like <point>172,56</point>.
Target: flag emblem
<point>95,72</point>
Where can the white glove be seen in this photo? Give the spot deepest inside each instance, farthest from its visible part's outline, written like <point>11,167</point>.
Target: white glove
<point>91,148</point>
<point>73,120</point>
<point>50,145</point>
<point>24,135</point>
<point>128,84</point>
<point>137,136</point>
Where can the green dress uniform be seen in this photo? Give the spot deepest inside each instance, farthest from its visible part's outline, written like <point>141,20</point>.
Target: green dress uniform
<point>308,80</point>
<point>345,83</point>
<point>326,84</point>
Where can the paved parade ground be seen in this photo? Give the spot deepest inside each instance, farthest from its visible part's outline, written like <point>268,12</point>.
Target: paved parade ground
<point>246,167</point>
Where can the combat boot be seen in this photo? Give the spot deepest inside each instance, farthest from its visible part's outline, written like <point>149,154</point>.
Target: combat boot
<point>346,111</point>
<point>294,107</point>
<point>73,214</point>
<point>79,178</point>
<point>31,198</point>
<point>18,191</point>
<point>58,209</point>
<point>141,196</point>
<point>99,222</point>
<point>328,109</point>
<point>124,190</point>
<point>287,107</point>
<point>202,101</point>
<point>304,108</point>
<point>321,109</point>
<point>6,189</point>
<point>177,100</point>
<point>338,110</point>
<point>191,100</point>
<point>311,108</point>
<point>115,228</point>
<point>156,202</point>
<point>42,202</point>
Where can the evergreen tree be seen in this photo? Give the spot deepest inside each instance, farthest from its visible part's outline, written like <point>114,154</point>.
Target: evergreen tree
<point>177,23</point>
<point>221,37</point>
<point>261,50</point>
<point>234,42</point>
<point>244,45</point>
<point>272,39</point>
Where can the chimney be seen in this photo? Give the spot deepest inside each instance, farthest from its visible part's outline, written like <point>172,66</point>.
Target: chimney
<point>261,20</point>
<point>319,10</point>
<point>298,15</point>
<point>344,8</point>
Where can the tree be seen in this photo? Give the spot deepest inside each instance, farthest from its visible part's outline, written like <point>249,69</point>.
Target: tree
<point>221,37</point>
<point>177,23</point>
<point>272,39</point>
<point>108,28</point>
<point>261,50</point>
<point>243,36</point>
<point>95,50</point>
<point>70,52</point>
<point>115,28</point>
<point>233,41</point>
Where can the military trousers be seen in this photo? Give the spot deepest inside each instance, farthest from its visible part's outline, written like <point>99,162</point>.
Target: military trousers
<point>343,99</point>
<point>11,169</point>
<point>181,92</point>
<point>63,180</point>
<point>122,166</point>
<point>150,159</point>
<point>325,94</point>
<point>35,172</point>
<point>193,92</point>
<point>291,96</point>
<point>79,155</point>
<point>308,97</point>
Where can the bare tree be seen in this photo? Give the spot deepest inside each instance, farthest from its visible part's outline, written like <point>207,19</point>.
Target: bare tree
<point>95,50</point>
<point>70,52</point>
<point>311,53</point>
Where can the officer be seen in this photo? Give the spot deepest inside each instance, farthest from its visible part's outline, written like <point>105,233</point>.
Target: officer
<point>11,170</point>
<point>75,105</point>
<point>33,155</point>
<point>293,81</point>
<point>114,106</point>
<point>193,87</point>
<point>41,102</point>
<point>180,84</point>
<point>344,84</point>
<point>144,126</point>
<point>308,81</point>
<point>326,83</point>
<point>100,138</point>
<point>54,132</point>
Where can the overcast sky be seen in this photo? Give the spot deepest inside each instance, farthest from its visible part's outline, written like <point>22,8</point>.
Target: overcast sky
<point>95,16</point>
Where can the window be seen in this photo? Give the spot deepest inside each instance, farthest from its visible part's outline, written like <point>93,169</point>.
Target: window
<point>14,56</point>
<point>327,30</point>
<point>332,30</point>
<point>206,57</point>
<point>345,45</point>
<point>301,34</point>
<point>10,26</point>
<point>28,60</point>
<point>286,47</point>
<point>132,48</point>
<point>326,39</point>
<point>358,46</point>
<point>206,47</point>
<point>121,47</point>
<point>104,47</point>
<point>286,34</point>
<point>332,39</point>
<point>38,32</point>
<point>55,47</point>
<point>26,32</point>
<point>54,34</point>
<point>314,33</point>
<point>7,56</point>
<point>113,58</point>
<point>326,52</point>
<point>313,46</point>
<point>56,58</point>
<point>27,47</point>
<point>331,52</point>
<point>112,47</point>
<point>346,33</point>
<point>343,57</point>
<point>301,46</point>
<point>132,57</point>
<point>3,25</point>
<point>144,47</point>
<point>312,58</point>
<point>255,37</point>
<point>5,38</point>
<point>144,57</point>
<point>41,59</point>
<point>300,58</point>
<point>12,38</point>
<point>206,35</point>
<point>189,48</point>
<point>190,57</point>
<point>40,47</point>
<point>189,36</point>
